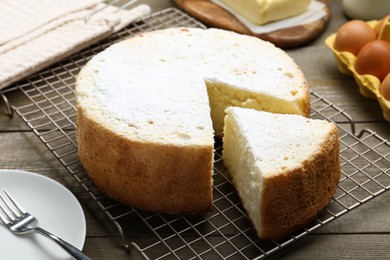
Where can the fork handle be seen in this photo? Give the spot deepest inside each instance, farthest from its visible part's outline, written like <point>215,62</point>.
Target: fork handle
<point>76,253</point>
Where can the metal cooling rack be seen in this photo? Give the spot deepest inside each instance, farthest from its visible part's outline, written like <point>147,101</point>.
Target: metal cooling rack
<point>225,232</point>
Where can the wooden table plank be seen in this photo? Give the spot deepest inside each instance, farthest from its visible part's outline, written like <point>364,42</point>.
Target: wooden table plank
<point>359,246</point>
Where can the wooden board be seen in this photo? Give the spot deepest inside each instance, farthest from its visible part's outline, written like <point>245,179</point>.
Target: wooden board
<point>215,16</point>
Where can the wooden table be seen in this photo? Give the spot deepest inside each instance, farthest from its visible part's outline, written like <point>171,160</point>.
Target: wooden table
<point>363,233</point>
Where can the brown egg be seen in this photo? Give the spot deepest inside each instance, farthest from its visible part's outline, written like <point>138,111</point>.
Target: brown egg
<point>353,35</point>
<point>378,27</point>
<point>374,59</point>
<point>385,87</point>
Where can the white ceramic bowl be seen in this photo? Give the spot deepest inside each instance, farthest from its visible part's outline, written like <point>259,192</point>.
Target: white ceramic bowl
<point>366,9</point>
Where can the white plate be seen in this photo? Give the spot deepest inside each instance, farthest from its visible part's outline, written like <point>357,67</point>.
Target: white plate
<point>56,209</point>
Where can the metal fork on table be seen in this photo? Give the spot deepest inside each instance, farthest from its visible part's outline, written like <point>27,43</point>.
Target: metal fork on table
<point>19,221</point>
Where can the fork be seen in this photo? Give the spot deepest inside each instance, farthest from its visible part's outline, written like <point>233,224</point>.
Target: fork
<point>19,221</point>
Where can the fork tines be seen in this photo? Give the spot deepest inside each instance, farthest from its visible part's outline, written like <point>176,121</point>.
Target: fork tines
<point>11,212</point>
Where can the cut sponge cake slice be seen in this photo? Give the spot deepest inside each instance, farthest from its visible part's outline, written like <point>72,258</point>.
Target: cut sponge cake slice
<point>285,167</point>
<point>144,131</point>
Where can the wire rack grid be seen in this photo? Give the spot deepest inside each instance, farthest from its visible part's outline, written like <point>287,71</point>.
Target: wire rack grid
<point>225,232</point>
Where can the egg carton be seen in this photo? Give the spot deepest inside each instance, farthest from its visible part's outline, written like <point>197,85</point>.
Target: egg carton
<point>369,85</point>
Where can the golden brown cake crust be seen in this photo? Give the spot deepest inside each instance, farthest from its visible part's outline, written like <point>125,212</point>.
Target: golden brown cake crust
<point>294,198</point>
<point>149,176</point>
<point>306,102</point>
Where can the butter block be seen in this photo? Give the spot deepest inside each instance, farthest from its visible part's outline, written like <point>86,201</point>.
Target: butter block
<point>263,11</point>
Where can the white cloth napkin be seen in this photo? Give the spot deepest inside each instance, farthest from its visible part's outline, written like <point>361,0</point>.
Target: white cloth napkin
<point>314,12</point>
<point>35,34</point>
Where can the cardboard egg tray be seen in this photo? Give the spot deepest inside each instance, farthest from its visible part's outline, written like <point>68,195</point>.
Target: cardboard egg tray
<point>368,85</point>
